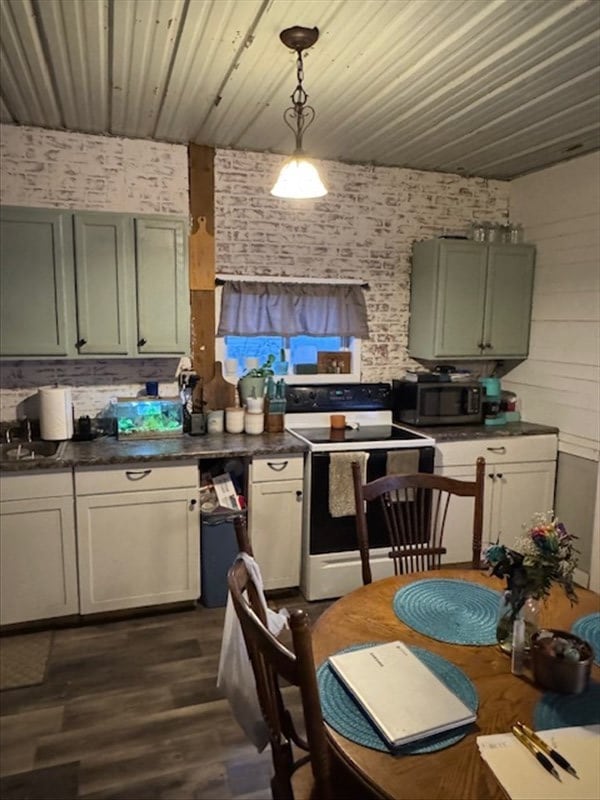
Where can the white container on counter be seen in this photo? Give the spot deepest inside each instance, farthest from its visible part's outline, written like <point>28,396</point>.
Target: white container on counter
<point>215,422</point>
<point>254,422</point>
<point>234,420</point>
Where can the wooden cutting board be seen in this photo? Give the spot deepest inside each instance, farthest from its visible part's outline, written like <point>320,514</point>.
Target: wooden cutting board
<point>218,393</point>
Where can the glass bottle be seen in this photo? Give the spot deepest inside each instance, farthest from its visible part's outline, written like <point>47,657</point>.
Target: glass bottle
<point>529,611</point>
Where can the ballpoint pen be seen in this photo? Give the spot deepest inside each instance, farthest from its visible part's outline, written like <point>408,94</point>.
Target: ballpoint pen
<point>545,762</point>
<point>554,755</point>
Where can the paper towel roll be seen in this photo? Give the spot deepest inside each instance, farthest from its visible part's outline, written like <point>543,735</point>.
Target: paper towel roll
<point>56,414</point>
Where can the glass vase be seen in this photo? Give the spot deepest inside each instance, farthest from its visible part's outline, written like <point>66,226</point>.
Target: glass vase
<point>508,612</point>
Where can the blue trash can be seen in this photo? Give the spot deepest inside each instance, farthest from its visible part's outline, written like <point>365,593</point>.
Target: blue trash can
<point>218,549</point>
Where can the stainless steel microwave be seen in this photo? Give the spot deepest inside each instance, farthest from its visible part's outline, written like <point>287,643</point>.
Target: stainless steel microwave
<point>436,403</point>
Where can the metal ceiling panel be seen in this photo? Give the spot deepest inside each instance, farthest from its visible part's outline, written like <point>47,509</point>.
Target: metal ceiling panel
<point>77,44</point>
<point>495,88</point>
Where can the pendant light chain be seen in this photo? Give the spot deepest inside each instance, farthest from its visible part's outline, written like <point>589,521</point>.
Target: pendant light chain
<point>299,116</point>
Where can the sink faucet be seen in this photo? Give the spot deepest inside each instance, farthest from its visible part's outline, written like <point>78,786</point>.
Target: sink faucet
<point>7,436</point>
<point>27,422</point>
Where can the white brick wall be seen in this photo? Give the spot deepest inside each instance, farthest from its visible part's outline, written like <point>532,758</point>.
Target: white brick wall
<point>364,228</point>
<point>56,169</point>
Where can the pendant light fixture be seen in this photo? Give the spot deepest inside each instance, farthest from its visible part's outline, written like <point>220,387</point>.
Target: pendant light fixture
<point>299,178</point>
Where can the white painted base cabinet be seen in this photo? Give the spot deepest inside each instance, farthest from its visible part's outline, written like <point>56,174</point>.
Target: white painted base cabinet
<point>38,563</point>
<point>138,536</point>
<point>520,473</point>
<point>275,518</point>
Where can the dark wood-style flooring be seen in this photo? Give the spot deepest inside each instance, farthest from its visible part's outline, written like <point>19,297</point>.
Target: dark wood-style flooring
<point>130,710</point>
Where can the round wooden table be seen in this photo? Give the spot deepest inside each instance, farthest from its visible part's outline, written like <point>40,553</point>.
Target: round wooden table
<point>458,771</point>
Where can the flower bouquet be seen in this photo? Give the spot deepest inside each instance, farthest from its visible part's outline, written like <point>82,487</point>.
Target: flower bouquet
<point>542,556</point>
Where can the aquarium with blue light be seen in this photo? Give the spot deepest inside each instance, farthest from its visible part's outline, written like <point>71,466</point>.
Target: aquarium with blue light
<point>148,418</point>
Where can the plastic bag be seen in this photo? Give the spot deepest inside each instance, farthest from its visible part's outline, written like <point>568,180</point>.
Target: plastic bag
<point>235,676</point>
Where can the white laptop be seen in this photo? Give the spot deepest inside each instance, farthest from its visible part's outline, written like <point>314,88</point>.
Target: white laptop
<point>405,700</point>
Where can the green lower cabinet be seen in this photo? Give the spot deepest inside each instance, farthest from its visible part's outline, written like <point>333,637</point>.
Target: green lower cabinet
<point>37,311</point>
<point>470,300</point>
<point>79,284</point>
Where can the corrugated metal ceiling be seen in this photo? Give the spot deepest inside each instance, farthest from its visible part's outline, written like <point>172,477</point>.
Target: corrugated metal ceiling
<point>495,88</point>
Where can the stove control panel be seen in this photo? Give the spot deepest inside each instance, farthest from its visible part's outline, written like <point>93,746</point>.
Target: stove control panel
<point>338,397</point>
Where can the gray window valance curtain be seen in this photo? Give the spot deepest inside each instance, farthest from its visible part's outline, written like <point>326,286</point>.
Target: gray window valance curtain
<point>251,308</point>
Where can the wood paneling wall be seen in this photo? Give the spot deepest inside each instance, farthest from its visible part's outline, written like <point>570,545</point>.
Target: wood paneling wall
<point>202,258</point>
<point>559,384</point>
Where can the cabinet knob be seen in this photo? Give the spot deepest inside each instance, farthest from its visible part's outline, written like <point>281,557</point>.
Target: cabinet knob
<point>142,342</point>
<point>80,342</point>
<point>500,475</point>
<point>487,346</point>
<point>193,504</point>
<point>492,476</point>
<point>298,494</point>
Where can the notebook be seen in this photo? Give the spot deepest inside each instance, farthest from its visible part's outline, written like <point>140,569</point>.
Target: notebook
<point>403,698</point>
<point>523,778</point>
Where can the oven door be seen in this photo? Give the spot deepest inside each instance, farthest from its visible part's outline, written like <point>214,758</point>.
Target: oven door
<point>338,534</point>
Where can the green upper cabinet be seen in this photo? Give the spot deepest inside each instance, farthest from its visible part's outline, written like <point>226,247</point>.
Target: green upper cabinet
<point>163,303</point>
<point>37,311</point>
<point>77,284</point>
<point>103,261</point>
<point>470,300</point>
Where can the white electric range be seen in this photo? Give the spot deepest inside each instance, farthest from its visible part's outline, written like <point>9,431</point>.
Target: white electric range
<point>330,558</point>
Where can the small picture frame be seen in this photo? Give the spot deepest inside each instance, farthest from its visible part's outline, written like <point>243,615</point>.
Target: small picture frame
<point>333,363</point>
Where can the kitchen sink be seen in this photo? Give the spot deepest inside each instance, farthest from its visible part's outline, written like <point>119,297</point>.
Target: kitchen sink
<point>31,451</point>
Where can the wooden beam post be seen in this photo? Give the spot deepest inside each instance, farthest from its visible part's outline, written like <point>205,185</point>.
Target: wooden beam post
<point>202,258</point>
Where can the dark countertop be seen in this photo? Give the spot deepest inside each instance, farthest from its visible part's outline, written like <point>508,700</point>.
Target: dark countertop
<point>462,433</point>
<point>108,450</point>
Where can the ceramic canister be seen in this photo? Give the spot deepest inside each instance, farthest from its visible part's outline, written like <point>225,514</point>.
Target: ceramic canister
<point>254,423</point>
<point>234,420</point>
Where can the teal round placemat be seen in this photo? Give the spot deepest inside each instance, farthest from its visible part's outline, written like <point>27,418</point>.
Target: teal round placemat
<point>344,714</point>
<point>588,628</point>
<point>555,710</point>
<point>459,612</point>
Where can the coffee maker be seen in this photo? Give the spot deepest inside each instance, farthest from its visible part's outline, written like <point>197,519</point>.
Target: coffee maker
<point>492,396</point>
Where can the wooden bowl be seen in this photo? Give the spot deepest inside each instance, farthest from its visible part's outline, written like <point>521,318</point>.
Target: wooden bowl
<point>559,674</point>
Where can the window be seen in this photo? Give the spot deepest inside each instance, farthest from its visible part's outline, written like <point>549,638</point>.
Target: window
<point>300,354</point>
<point>307,327</point>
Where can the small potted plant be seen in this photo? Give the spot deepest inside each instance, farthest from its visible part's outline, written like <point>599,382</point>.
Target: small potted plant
<point>252,384</point>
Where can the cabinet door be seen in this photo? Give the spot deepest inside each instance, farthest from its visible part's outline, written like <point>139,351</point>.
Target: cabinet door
<point>38,564</point>
<point>458,531</point>
<point>460,299</point>
<point>508,301</point>
<point>275,529</point>
<point>518,491</point>
<point>37,312</point>
<point>163,304</point>
<point>104,268</point>
<point>138,549</point>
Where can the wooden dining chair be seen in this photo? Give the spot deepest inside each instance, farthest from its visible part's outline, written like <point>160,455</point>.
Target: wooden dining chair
<point>241,534</point>
<point>414,509</point>
<point>272,662</point>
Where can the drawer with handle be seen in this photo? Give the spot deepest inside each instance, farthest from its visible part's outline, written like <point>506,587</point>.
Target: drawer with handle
<point>278,467</point>
<point>135,477</point>
<point>500,450</point>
